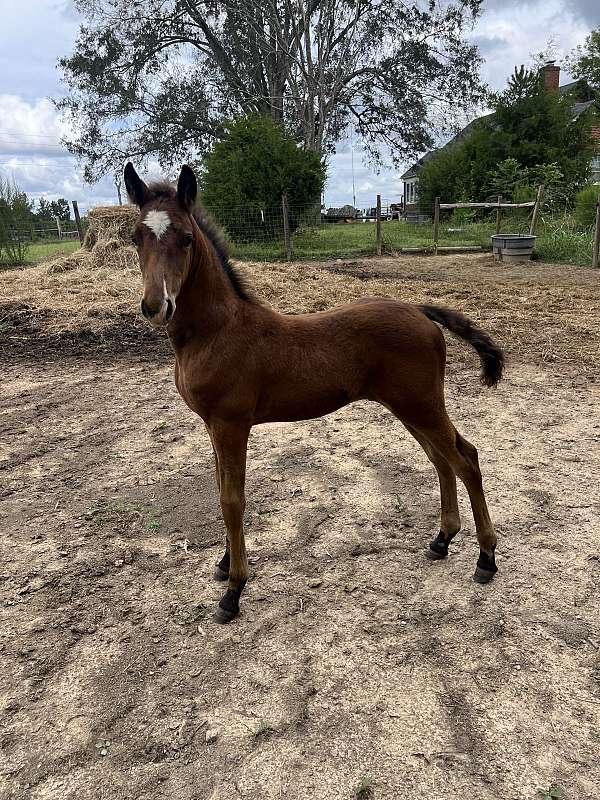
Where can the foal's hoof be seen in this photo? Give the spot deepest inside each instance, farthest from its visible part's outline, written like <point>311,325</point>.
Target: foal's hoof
<point>438,547</point>
<point>229,606</point>
<point>224,615</point>
<point>486,568</point>
<point>484,575</point>
<point>220,574</point>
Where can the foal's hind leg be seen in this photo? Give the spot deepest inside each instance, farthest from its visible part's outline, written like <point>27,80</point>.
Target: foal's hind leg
<point>461,455</point>
<point>449,514</point>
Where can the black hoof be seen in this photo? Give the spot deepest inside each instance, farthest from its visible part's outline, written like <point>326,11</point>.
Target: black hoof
<point>438,547</point>
<point>220,574</point>
<point>223,615</point>
<point>486,568</point>
<point>229,605</point>
<point>484,575</point>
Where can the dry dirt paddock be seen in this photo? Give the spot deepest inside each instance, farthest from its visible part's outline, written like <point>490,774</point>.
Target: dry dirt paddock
<point>355,656</point>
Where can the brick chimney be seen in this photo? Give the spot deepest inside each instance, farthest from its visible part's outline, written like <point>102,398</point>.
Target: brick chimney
<point>551,76</point>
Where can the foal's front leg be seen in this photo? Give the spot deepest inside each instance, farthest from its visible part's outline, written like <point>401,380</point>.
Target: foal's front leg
<point>230,442</point>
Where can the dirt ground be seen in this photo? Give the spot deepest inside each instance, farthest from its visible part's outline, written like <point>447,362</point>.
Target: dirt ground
<point>355,656</point>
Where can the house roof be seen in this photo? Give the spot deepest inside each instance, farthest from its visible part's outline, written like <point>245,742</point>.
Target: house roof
<point>578,109</point>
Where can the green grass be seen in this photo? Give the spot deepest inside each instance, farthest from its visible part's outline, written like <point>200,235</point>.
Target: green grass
<point>365,789</point>
<point>558,240</point>
<point>36,251</point>
<point>41,250</point>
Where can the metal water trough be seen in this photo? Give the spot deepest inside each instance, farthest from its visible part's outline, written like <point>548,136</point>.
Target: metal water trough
<point>513,247</point>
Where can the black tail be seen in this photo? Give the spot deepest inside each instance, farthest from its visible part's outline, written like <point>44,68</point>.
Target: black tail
<point>492,357</point>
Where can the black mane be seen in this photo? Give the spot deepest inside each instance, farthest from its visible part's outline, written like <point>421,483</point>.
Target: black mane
<point>214,234</point>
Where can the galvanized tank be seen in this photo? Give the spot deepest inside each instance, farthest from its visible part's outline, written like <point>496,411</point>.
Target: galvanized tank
<point>513,247</point>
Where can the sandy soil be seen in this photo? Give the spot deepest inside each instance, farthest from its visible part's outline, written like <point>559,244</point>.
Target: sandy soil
<point>355,655</point>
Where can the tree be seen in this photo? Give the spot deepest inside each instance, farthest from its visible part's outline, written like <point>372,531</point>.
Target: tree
<point>60,208</point>
<point>531,137</point>
<point>157,78</point>
<point>584,61</point>
<point>44,211</point>
<point>247,172</point>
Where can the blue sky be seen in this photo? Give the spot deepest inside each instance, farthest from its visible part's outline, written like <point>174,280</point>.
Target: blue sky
<point>35,33</point>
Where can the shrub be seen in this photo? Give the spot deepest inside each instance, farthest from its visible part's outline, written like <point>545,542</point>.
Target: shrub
<point>247,172</point>
<point>15,213</point>
<point>585,206</point>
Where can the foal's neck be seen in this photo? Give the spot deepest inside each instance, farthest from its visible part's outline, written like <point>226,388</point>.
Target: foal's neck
<point>207,300</point>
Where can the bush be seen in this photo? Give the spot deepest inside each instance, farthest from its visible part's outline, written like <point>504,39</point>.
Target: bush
<point>585,206</point>
<point>15,214</point>
<point>247,172</point>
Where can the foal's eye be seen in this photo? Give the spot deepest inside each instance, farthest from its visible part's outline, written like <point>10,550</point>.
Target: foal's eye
<point>187,239</point>
<point>134,240</point>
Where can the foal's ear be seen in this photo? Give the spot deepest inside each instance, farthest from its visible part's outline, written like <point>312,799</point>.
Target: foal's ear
<point>136,188</point>
<point>187,188</point>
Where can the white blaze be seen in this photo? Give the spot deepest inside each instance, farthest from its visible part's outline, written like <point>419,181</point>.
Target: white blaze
<point>157,221</point>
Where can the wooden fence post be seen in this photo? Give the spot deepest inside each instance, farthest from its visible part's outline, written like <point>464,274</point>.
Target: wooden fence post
<point>596,251</point>
<point>58,228</point>
<point>77,220</point>
<point>536,209</point>
<point>286,228</point>
<point>378,225</point>
<point>498,214</point>
<point>436,225</point>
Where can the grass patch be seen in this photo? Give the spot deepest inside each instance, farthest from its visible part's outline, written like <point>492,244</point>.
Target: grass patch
<point>365,789</point>
<point>264,729</point>
<point>558,240</point>
<point>40,250</point>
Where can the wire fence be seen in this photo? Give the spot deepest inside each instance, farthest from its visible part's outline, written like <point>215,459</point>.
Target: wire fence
<point>308,232</point>
<point>260,234</point>
<point>17,229</point>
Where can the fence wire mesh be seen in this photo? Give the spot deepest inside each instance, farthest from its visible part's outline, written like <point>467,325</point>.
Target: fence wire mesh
<point>259,234</point>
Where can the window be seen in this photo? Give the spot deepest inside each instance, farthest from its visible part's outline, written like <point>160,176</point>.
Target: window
<point>595,174</point>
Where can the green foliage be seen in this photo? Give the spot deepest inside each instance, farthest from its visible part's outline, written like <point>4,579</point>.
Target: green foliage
<point>250,169</point>
<point>506,178</point>
<point>15,215</point>
<point>365,788</point>
<point>50,209</point>
<point>552,793</point>
<point>584,62</point>
<point>446,176</point>
<point>530,138</point>
<point>585,206</point>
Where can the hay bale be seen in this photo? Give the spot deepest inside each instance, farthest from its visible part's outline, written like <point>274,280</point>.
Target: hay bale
<point>107,242</point>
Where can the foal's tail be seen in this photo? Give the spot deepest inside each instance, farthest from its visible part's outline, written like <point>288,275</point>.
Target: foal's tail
<point>491,355</point>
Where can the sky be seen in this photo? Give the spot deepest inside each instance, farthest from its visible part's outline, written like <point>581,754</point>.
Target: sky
<point>35,33</point>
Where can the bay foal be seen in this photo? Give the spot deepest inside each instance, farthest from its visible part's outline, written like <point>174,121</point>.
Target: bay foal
<point>239,363</point>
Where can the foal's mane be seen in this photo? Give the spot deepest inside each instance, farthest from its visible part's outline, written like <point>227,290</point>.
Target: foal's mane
<point>214,234</point>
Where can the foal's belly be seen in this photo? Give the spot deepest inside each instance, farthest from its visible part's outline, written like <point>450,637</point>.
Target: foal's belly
<point>294,406</point>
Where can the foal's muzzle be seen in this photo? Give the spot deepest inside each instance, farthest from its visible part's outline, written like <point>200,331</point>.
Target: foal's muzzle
<point>161,314</point>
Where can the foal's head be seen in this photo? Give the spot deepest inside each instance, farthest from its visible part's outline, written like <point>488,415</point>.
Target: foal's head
<point>163,235</point>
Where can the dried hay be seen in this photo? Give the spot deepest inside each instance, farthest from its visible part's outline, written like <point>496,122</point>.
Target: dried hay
<point>107,242</point>
<point>538,312</point>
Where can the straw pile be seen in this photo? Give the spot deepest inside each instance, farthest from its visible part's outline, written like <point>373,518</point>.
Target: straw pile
<point>107,242</point>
